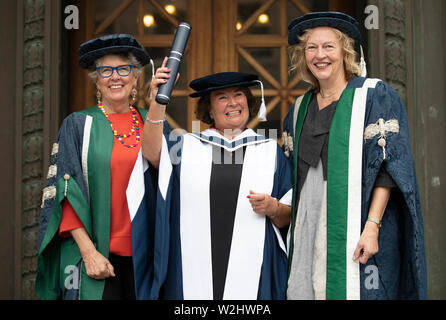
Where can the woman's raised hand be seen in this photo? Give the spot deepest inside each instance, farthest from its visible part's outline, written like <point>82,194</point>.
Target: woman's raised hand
<point>162,74</point>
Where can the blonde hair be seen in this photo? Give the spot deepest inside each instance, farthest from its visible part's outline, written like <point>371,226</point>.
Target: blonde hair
<point>299,65</point>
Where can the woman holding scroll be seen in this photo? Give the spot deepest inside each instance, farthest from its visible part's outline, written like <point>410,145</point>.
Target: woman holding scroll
<point>226,191</point>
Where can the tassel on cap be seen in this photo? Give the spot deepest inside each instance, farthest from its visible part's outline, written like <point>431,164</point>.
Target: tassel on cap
<point>221,80</point>
<point>262,110</point>
<point>153,76</point>
<point>363,65</point>
<point>153,69</point>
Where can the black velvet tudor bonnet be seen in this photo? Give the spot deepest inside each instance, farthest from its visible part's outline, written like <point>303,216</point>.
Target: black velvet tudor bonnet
<point>94,49</point>
<point>224,80</point>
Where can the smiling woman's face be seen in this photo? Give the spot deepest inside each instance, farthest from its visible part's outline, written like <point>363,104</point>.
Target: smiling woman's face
<point>115,89</point>
<point>323,54</point>
<point>229,108</point>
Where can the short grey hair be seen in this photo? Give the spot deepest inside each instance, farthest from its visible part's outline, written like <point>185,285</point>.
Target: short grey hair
<point>137,67</point>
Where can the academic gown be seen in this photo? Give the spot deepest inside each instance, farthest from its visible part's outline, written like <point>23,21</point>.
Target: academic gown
<point>79,171</point>
<point>369,130</point>
<point>257,262</point>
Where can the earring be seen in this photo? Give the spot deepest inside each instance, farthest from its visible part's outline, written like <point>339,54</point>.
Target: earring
<point>99,97</point>
<point>134,92</point>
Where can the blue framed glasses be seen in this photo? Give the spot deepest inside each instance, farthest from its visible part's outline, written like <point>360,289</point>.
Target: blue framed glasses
<point>107,71</point>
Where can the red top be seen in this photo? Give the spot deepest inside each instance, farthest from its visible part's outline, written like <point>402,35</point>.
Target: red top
<point>121,165</point>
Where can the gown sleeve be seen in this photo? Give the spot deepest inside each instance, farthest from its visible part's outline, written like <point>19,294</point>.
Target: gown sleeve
<point>69,221</point>
<point>401,259</point>
<point>64,182</point>
<point>384,179</point>
<point>283,179</point>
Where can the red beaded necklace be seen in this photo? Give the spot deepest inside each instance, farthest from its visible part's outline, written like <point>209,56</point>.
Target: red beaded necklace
<point>135,127</point>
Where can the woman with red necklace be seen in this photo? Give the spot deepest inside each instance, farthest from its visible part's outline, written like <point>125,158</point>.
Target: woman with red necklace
<point>85,244</point>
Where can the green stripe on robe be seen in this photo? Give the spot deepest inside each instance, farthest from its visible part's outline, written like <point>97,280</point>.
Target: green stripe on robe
<point>337,197</point>
<point>99,154</point>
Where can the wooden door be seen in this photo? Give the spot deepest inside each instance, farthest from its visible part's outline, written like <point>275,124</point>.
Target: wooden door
<point>227,35</point>
<point>256,41</point>
<point>152,25</point>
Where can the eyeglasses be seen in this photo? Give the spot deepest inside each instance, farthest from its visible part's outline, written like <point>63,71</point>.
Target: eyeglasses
<point>107,71</point>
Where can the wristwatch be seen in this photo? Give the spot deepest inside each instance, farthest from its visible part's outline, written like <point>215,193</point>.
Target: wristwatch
<point>378,222</point>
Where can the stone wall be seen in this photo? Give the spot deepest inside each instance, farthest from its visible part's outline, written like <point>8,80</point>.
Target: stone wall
<point>394,45</point>
<point>32,139</point>
<point>414,60</point>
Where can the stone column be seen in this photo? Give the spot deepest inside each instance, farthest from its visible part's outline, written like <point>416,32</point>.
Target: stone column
<point>32,138</point>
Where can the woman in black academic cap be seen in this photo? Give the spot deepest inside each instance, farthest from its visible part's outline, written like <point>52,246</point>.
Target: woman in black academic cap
<point>357,229</point>
<point>226,189</point>
<point>85,245</point>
